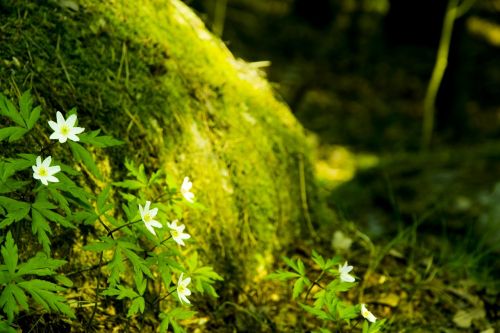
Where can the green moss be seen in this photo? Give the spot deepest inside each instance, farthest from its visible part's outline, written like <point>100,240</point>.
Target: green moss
<point>149,72</point>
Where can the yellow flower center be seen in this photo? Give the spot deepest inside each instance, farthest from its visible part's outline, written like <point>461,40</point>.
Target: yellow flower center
<point>174,233</point>
<point>147,218</point>
<point>181,289</point>
<point>43,172</point>
<point>64,130</point>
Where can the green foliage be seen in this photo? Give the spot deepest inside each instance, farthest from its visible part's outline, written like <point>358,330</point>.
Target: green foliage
<point>328,306</point>
<point>17,281</point>
<point>137,257</point>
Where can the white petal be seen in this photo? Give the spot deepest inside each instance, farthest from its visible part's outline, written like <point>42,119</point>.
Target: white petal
<point>60,118</point>
<point>184,298</point>
<point>150,228</point>
<point>185,282</point>
<point>44,180</point>
<point>38,160</point>
<point>184,236</point>
<point>155,224</point>
<point>53,125</point>
<point>141,210</point>
<point>347,278</point>
<point>52,179</point>
<point>77,130</point>
<point>179,241</point>
<point>73,137</point>
<point>63,138</point>
<point>46,162</point>
<point>146,207</point>
<point>54,169</point>
<point>36,175</point>
<point>55,136</point>
<point>153,212</point>
<point>71,120</point>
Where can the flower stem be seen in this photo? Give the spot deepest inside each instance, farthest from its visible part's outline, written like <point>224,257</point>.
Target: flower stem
<point>110,232</point>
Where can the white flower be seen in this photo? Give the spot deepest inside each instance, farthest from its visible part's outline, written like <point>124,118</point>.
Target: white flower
<point>182,289</point>
<point>186,190</point>
<point>148,216</point>
<point>65,129</point>
<point>44,172</point>
<point>177,232</point>
<point>367,314</point>
<point>344,273</point>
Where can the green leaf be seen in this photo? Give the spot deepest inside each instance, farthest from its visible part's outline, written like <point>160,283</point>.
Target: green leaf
<point>9,253</point>
<point>282,275</point>
<point>44,293</point>
<point>65,281</point>
<point>116,266</point>
<point>12,133</point>
<point>99,141</point>
<point>34,116</point>
<point>60,199</point>
<point>130,184</point>
<point>45,207</point>
<point>25,104</point>
<point>41,265</point>
<point>121,293</point>
<point>101,200</point>
<point>137,262</point>
<point>82,155</point>
<point>9,110</point>
<point>140,282</point>
<point>6,328</point>
<point>314,311</point>
<point>298,287</point>
<point>298,266</point>
<point>107,244</point>
<point>8,301</point>
<point>41,228</point>
<point>136,306</point>
<point>16,210</point>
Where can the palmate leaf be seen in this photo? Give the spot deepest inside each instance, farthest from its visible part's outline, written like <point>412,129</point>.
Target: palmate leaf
<point>13,165</point>
<point>6,327</point>
<point>121,292</point>
<point>41,228</point>
<point>16,210</point>
<point>299,285</point>
<point>9,253</point>
<point>9,110</point>
<point>171,318</point>
<point>9,299</point>
<point>136,306</point>
<point>45,208</point>
<point>82,155</point>
<point>44,293</point>
<point>41,265</point>
<point>203,278</point>
<point>101,141</point>
<point>13,133</point>
<point>116,267</point>
<point>25,104</point>
<point>282,275</point>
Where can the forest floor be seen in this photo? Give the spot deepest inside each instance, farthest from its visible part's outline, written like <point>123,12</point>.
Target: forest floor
<point>421,232</point>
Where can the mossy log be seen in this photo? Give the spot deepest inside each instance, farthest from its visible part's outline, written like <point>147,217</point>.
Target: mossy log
<point>148,72</point>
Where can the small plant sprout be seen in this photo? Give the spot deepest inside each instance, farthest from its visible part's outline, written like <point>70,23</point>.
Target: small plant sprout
<point>148,216</point>
<point>44,172</point>
<point>182,289</point>
<point>367,314</point>
<point>177,232</point>
<point>65,129</point>
<point>186,190</point>
<point>344,273</point>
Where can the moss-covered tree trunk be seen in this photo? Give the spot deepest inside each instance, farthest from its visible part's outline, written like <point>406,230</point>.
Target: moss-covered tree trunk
<point>149,73</point>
